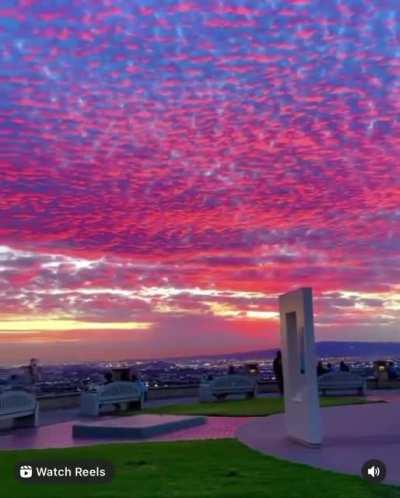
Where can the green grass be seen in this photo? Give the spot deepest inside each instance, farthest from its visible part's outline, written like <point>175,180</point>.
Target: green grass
<point>191,469</point>
<point>256,407</point>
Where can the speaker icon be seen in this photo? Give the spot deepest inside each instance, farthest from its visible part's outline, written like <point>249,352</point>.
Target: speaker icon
<point>374,470</point>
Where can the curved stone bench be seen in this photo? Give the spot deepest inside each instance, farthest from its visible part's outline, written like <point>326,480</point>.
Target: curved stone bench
<point>221,387</point>
<point>18,408</point>
<point>125,394</point>
<point>341,382</point>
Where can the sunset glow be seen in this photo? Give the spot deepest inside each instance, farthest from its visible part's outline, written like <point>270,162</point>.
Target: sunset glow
<point>171,167</point>
<point>44,324</point>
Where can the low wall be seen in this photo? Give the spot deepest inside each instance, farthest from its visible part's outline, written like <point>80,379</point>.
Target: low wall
<point>173,392</point>
<point>58,401</point>
<point>388,384</point>
<point>71,400</point>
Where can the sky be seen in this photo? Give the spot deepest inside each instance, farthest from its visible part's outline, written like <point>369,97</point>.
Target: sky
<point>167,169</point>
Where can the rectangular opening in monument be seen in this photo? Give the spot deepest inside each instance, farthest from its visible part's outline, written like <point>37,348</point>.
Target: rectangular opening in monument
<point>292,347</point>
<point>302,351</point>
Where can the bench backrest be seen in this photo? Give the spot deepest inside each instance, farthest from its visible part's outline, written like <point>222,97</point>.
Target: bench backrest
<point>340,379</point>
<point>15,402</point>
<point>232,383</point>
<point>120,390</point>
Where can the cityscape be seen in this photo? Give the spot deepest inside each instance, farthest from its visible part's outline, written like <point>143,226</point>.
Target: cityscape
<point>184,372</point>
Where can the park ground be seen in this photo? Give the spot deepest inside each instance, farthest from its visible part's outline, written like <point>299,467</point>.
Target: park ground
<point>193,469</point>
<point>222,468</point>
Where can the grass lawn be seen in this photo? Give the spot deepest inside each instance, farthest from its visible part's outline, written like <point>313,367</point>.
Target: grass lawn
<point>245,408</point>
<point>191,469</point>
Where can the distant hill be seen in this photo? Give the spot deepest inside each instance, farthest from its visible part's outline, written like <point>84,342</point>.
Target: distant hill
<point>327,348</point>
<point>362,349</point>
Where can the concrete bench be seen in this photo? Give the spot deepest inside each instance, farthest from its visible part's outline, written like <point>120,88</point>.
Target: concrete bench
<point>221,387</point>
<point>125,394</point>
<point>18,408</point>
<point>341,383</point>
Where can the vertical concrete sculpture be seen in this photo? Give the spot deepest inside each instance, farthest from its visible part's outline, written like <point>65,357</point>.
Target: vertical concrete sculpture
<point>302,410</point>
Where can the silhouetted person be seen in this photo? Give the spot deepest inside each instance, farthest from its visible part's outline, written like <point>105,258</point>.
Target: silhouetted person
<point>15,380</point>
<point>329,367</point>
<point>108,378</point>
<point>143,386</point>
<point>125,375</point>
<point>320,369</point>
<point>343,367</point>
<point>392,374</point>
<point>278,370</point>
<point>231,370</point>
<point>18,381</point>
<point>33,371</point>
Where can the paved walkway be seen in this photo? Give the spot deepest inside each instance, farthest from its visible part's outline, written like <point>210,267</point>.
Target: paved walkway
<point>60,435</point>
<point>55,429</point>
<point>352,435</point>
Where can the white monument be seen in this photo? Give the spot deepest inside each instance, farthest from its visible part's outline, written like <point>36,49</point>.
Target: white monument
<point>302,410</point>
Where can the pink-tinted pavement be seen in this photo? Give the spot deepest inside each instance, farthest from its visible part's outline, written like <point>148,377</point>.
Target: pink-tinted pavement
<point>352,435</point>
<point>60,435</point>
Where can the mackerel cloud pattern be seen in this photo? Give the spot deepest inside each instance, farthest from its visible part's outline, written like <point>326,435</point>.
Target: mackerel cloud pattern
<point>176,165</point>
